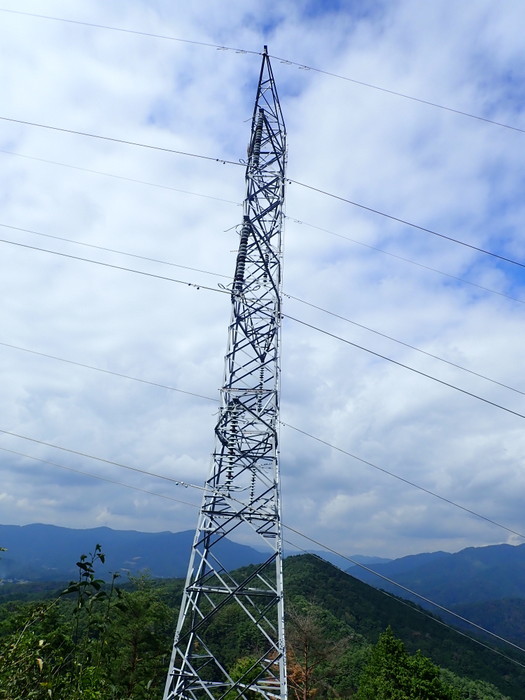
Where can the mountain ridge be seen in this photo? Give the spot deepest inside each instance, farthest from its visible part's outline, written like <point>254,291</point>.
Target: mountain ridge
<point>39,552</point>
<point>472,575</point>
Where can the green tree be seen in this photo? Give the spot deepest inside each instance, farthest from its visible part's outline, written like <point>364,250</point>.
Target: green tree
<point>393,674</point>
<point>244,671</point>
<point>139,641</point>
<point>468,689</point>
<point>53,649</point>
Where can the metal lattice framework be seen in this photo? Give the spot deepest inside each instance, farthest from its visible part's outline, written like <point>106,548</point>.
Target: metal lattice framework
<point>242,494</point>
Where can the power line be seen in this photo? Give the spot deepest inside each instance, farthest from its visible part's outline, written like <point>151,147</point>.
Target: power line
<point>299,430</point>
<point>407,260</point>
<point>409,605</point>
<point>408,590</point>
<point>292,318</point>
<point>296,182</point>
<point>284,61</point>
<point>112,139</point>
<point>317,543</point>
<point>118,177</point>
<point>293,544</point>
<point>115,464</point>
<point>228,201</point>
<point>177,482</point>
<point>193,505</point>
<point>400,364</point>
<point>320,440</point>
<point>405,96</point>
<point>307,324</point>
<point>405,481</point>
<point>100,478</point>
<point>287,425</point>
<point>406,223</point>
<point>316,329</point>
<point>133,31</point>
<point>407,345</point>
<point>441,622</point>
<point>290,296</point>
<point>107,371</point>
<point>115,267</point>
<point>111,250</point>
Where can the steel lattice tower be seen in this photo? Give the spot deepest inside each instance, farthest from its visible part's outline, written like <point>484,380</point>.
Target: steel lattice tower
<point>242,493</point>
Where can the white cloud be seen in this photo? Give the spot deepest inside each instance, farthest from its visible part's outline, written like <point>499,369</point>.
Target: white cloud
<point>440,170</point>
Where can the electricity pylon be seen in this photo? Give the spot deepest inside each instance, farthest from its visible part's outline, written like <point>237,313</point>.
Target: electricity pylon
<point>242,493</point>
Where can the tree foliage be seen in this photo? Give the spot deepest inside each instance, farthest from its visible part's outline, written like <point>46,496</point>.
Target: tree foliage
<point>100,641</point>
<point>316,643</point>
<point>393,674</point>
<point>93,642</point>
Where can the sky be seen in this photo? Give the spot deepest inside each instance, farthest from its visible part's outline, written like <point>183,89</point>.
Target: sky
<point>386,288</point>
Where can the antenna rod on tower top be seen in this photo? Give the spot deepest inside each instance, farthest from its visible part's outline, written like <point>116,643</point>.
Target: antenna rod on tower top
<point>242,492</point>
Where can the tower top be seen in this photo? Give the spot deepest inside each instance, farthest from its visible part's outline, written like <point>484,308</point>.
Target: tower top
<point>267,102</point>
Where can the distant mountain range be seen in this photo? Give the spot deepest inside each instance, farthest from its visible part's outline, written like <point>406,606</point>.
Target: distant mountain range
<point>484,584</point>
<point>47,553</point>
<point>474,575</point>
<point>342,562</point>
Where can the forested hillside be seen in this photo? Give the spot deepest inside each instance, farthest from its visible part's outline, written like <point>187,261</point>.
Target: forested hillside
<point>345,639</point>
<point>368,612</point>
<point>503,617</point>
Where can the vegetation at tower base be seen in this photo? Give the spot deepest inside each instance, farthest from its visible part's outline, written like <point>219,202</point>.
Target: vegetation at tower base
<point>107,642</point>
<point>92,640</point>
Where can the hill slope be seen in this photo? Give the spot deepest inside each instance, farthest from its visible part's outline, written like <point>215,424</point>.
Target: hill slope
<point>368,612</point>
<point>348,614</point>
<point>504,617</point>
